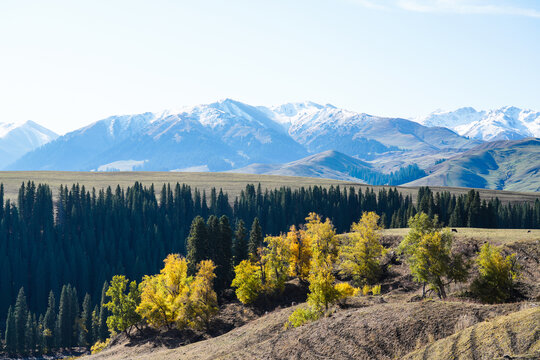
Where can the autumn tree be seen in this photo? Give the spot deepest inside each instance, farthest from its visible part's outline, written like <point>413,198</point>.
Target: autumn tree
<point>361,254</point>
<point>163,295</point>
<point>428,251</point>
<point>300,253</point>
<point>122,304</point>
<point>203,304</point>
<point>324,249</point>
<point>247,281</point>
<point>275,258</point>
<point>497,274</point>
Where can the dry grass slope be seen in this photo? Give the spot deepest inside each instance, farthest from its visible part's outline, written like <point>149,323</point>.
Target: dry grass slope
<point>229,182</point>
<point>515,335</point>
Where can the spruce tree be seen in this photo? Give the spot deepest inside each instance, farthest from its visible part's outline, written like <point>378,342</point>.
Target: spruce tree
<point>240,249</point>
<point>103,330</point>
<point>214,238</point>
<point>21,317</point>
<point>197,244</point>
<point>255,239</point>
<point>63,322</point>
<point>11,333</point>
<point>224,255</point>
<point>30,335</point>
<point>86,336</point>
<point>49,323</point>
<point>74,316</point>
<point>95,324</point>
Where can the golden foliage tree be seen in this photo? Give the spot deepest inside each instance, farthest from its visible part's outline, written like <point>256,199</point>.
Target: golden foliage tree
<point>203,304</point>
<point>275,257</point>
<point>300,253</point>
<point>497,274</point>
<point>164,295</point>
<point>361,254</point>
<point>247,281</point>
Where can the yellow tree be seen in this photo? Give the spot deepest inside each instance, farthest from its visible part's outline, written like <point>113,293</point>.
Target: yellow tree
<point>361,254</point>
<point>497,274</point>
<point>323,239</point>
<point>324,249</point>
<point>275,258</point>
<point>247,281</point>
<point>202,305</point>
<point>164,295</point>
<point>300,253</point>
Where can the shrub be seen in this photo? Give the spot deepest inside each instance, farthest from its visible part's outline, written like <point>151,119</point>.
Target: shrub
<point>376,290</point>
<point>496,275</point>
<point>345,290</point>
<point>303,315</point>
<point>366,290</point>
<point>99,346</point>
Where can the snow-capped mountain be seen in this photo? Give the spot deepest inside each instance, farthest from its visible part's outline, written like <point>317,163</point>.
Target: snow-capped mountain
<point>507,123</point>
<point>229,134</point>
<point>18,139</point>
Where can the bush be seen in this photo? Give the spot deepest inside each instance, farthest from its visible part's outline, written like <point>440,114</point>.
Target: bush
<point>345,290</point>
<point>99,346</point>
<point>496,275</point>
<point>376,290</point>
<point>366,290</point>
<point>303,315</point>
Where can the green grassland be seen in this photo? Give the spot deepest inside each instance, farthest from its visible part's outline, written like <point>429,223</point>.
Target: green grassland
<point>229,182</point>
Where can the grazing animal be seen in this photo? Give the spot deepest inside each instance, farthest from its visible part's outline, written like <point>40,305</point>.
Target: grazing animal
<point>454,230</point>
<point>529,231</point>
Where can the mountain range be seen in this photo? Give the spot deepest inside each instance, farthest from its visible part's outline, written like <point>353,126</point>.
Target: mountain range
<point>305,139</point>
<point>501,165</point>
<point>18,139</point>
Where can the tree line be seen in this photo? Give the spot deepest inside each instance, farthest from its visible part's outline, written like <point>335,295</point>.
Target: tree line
<point>87,236</point>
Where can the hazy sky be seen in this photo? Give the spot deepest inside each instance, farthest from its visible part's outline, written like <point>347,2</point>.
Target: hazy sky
<point>67,63</point>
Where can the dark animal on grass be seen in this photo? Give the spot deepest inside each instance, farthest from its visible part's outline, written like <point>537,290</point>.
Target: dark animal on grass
<point>454,230</point>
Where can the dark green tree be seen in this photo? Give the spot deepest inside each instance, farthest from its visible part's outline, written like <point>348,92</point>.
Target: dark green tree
<point>197,244</point>
<point>86,335</point>
<point>255,239</point>
<point>21,317</point>
<point>11,333</point>
<point>240,248</point>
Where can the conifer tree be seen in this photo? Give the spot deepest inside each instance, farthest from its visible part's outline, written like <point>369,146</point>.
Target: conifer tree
<point>224,254</point>
<point>197,244</point>
<point>86,334</point>
<point>11,333</point>
<point>21,316</point>
<point>30,335</point>
<point>63,324</point>
<point>103,331</point>
<point>49,323</point>
<point>255,240</point>
<point>240,249</point>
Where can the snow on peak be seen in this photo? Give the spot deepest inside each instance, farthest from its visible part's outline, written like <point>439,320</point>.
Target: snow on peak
<point>505,123</point>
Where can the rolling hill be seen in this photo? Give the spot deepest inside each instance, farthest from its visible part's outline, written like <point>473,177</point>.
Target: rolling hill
<point>501,165</point>
<point>328,164</point>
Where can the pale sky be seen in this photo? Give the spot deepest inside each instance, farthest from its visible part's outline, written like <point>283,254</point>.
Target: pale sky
<point>65,64</point>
